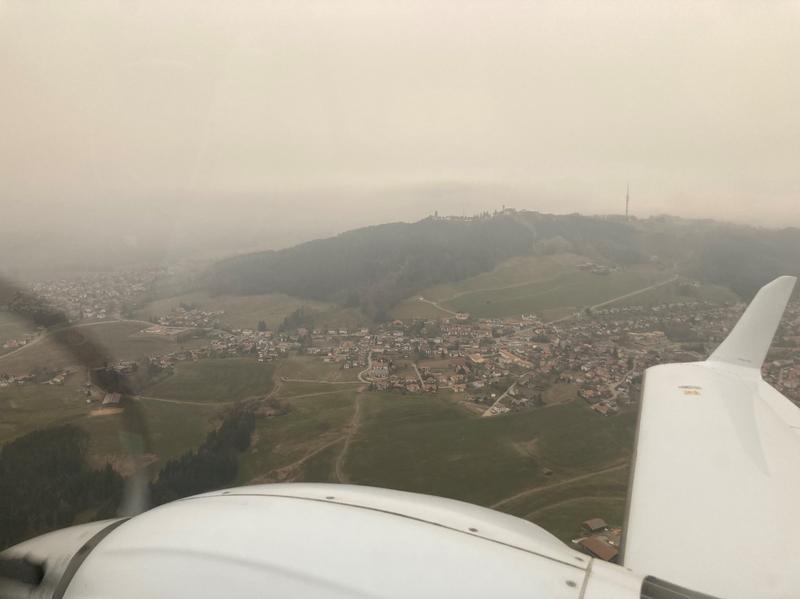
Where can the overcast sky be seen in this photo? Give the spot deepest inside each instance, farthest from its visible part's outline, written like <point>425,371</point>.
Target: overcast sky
<point>146,115</point>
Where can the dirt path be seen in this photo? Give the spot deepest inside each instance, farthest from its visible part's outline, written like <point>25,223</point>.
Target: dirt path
<point>352,429</point>
<point>437,306</point>
<point>618,298</point>
<point>305,395</point>
<point>562,483</point>
<point>186,402</point>
<point>285,380</point>
<point>511,286</point>
<point>289,471</point>
<point>637,292</point>
<point>570,500</point>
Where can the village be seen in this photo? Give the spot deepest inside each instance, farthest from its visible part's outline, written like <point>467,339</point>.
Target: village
<point>496,365</point>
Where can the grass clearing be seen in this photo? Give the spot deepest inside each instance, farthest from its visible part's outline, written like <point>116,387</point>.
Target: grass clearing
<point>560,393</point>
<point>314,369</point>
<point>510,274</point>
<point>173,428</point>
<point>12,327</point>
<point>215,380</point>
<point>245,311</point>
<point>569,288</point>
<point>431,445</point>
<point>281,441</point>
<point>122,340</point>
<point>611,482</point>
<point>564,519</point>
<point>681,291</point>
<point>25,408</point>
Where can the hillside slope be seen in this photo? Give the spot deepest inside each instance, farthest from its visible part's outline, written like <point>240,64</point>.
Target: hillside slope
<point>377,267</point>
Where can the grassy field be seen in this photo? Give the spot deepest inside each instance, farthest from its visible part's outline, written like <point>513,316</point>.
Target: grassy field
<point>508,275</point>
<point>679,291</point>
<point>283,442</point>
<point>312,368</point>
<point>563,519</point>
<point>219,380</point>
<point>551,286</point>
<point>245,311</point>
<point>430,444</point>
<point>608,482</point>
<point>555,466</point>
<point>24,408</point>
<point>569,288</point>
<point>12,327</point>
<point>560,393</point>
<point>173,428</point>
<point>122,340</point>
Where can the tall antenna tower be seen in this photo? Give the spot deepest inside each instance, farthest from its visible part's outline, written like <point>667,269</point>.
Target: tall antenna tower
<point>627,200</point>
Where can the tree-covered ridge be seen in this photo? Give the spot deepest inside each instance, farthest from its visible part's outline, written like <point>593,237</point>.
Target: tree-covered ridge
<point>376,267</point>
<point>45,482</point>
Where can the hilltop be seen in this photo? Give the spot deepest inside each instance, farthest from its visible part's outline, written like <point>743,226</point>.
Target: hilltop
<point>375,268</point>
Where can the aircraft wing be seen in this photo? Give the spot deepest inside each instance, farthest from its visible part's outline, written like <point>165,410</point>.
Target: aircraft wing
<point>715,485</point>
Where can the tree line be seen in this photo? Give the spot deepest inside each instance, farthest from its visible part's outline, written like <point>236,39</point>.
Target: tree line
<point>46,481</point>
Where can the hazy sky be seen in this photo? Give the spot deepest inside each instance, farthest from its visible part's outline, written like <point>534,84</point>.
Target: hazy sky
<point>181,116</point>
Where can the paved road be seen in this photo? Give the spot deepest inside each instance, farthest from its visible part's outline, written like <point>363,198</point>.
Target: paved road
<point>614,387</point>
<point>488,411</point>
<point>80,325</point>
<point>419,376</point>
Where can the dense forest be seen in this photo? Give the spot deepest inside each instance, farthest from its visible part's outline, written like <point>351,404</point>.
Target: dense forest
<point>376,267</point>
<point>213,465</point>
<point>45,482</point>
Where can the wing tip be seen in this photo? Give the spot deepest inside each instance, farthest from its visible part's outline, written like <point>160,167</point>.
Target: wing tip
<point>748,342</point>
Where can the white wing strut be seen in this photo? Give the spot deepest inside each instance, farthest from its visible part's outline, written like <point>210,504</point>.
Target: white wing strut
<point>715,487</point>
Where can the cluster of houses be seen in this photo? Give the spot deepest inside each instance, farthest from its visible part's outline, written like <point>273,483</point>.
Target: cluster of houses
<point>599,540</point>
<point>186,316</point>
<point>597,269</point>
<point>42,376</point>
<point>22,341</point>
<point>507,363</point>
<point>602,355</point>
<point>97,296</point>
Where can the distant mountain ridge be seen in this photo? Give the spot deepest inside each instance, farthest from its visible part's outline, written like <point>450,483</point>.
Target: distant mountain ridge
<point>376,267</point>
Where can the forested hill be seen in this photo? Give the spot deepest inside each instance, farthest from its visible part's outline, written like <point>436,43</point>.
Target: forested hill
<point>376,267</point>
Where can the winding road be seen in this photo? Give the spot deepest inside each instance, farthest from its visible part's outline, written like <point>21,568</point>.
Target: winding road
<point>367,369</point>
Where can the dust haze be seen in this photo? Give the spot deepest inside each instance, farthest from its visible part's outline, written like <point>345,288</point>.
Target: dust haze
<point>152,131</point>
